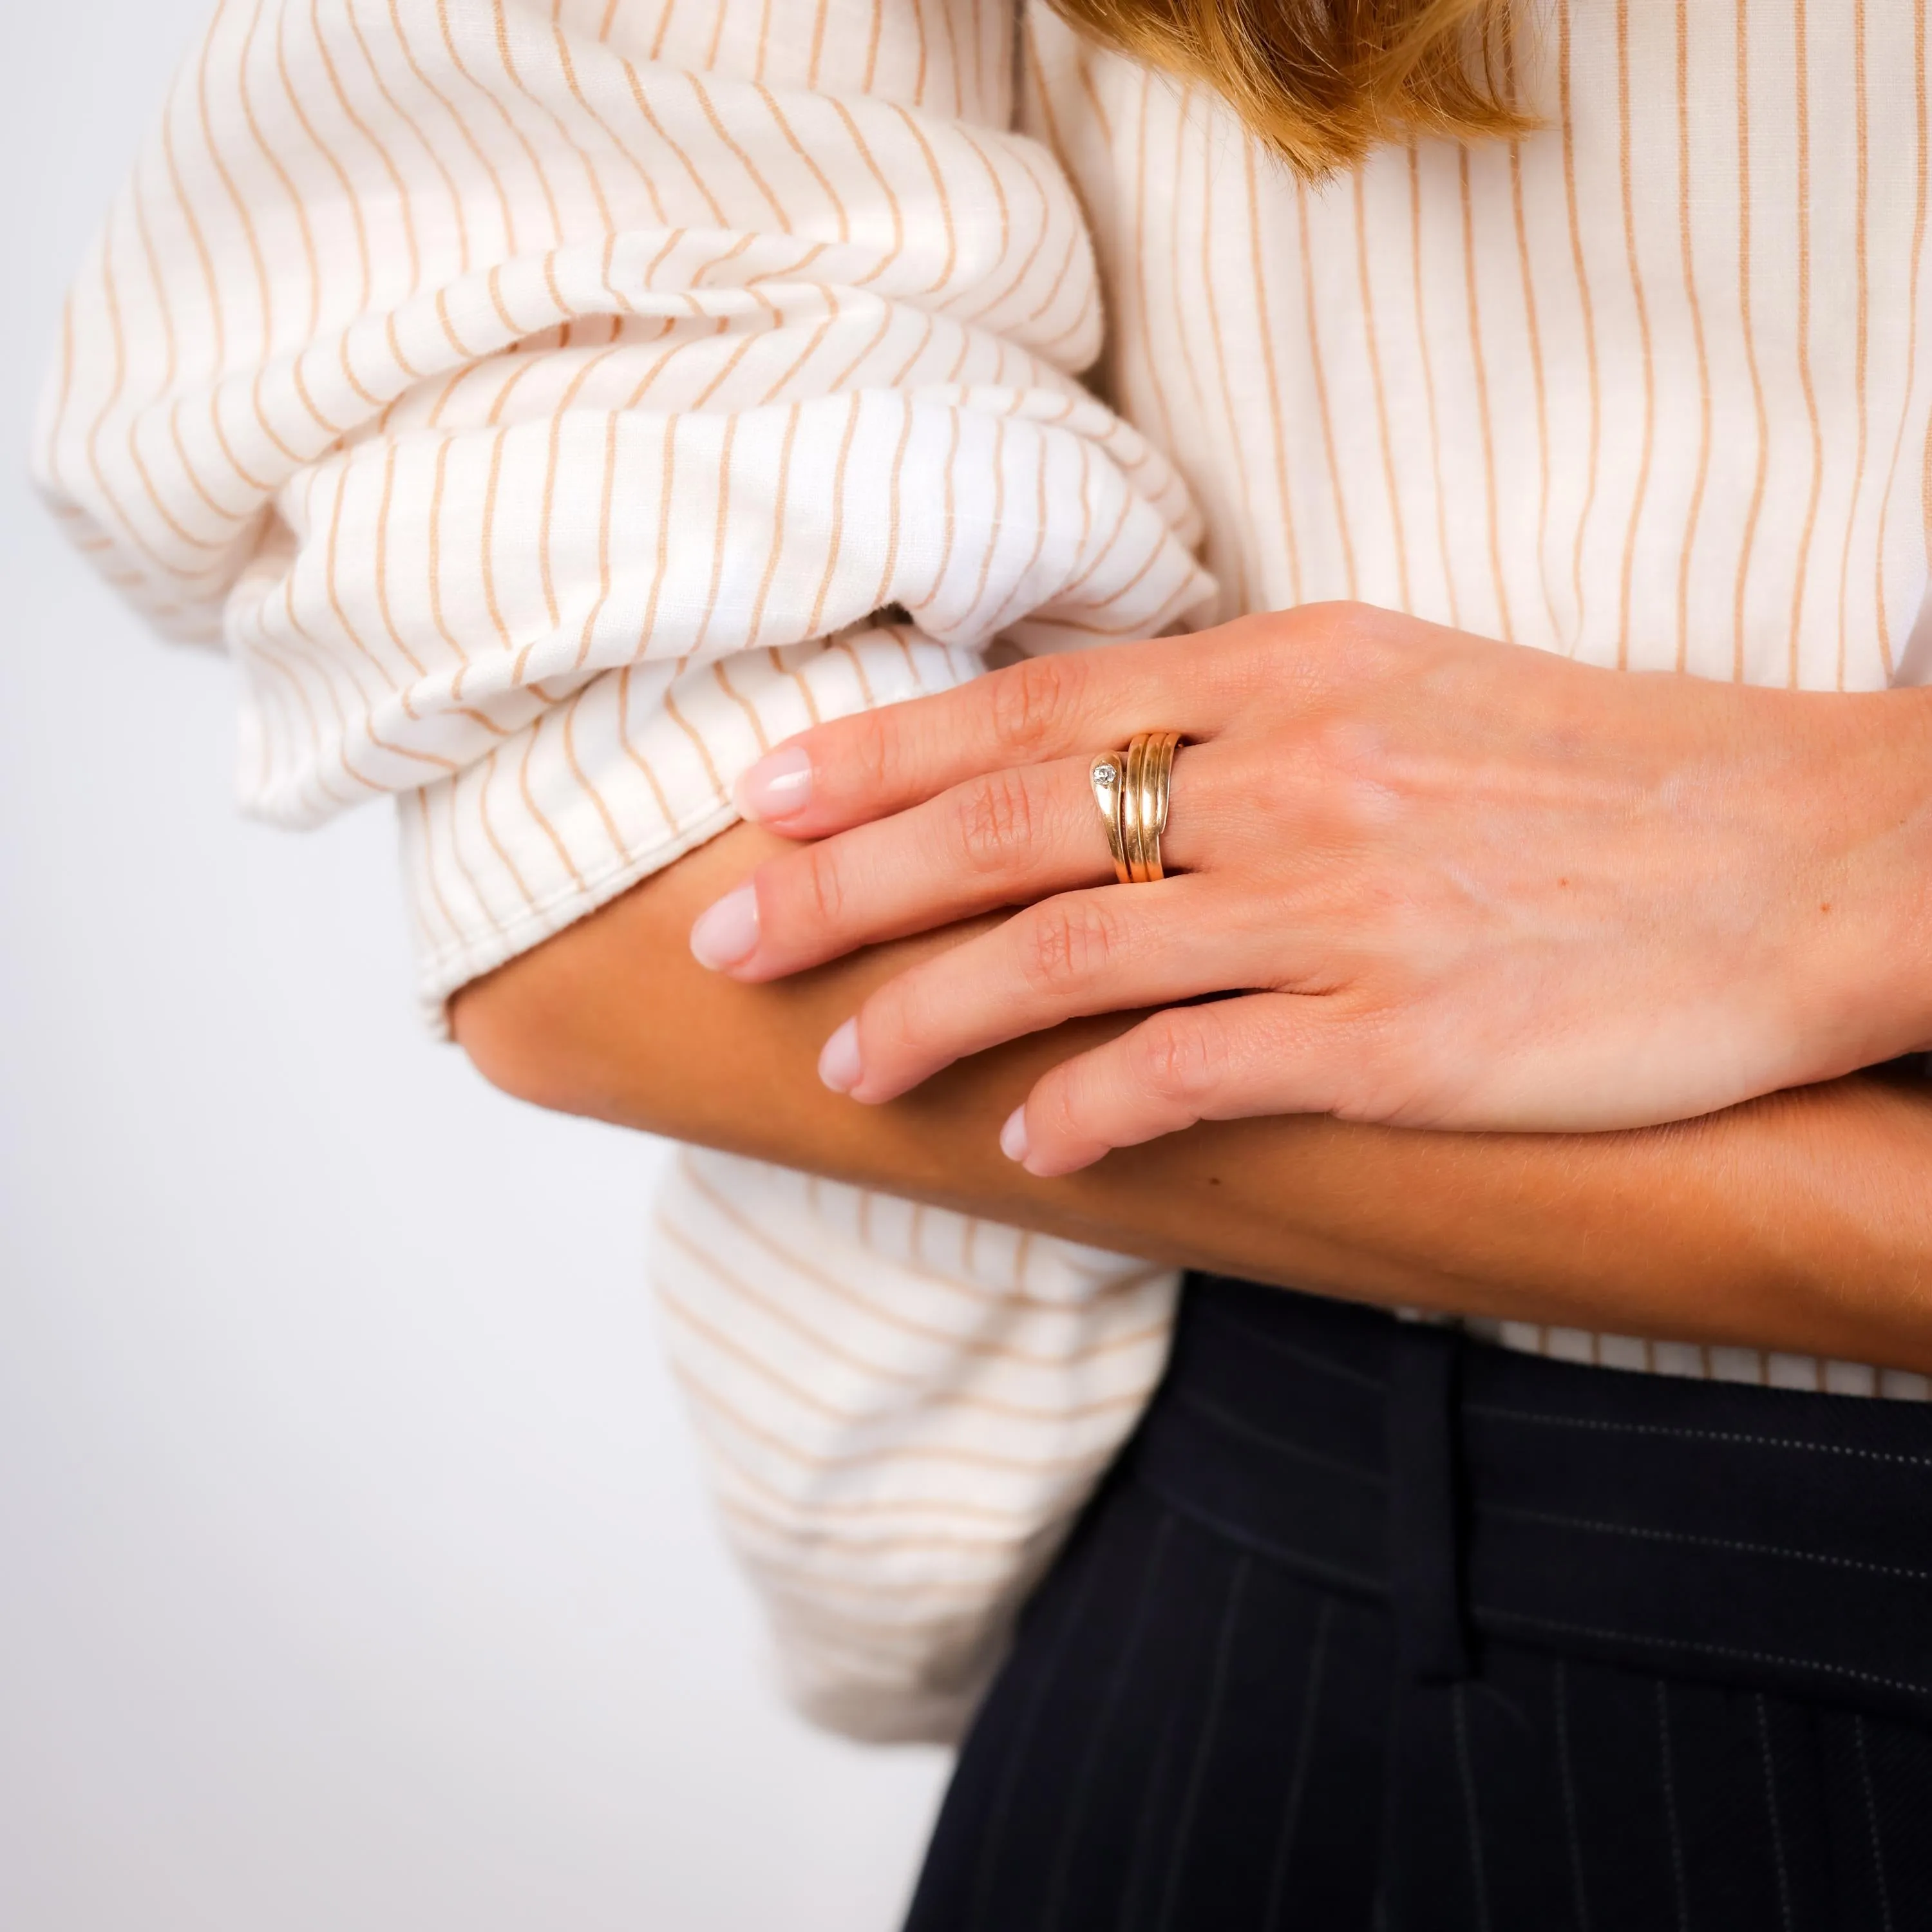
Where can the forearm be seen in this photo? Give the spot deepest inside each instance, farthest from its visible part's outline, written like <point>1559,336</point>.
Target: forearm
<point>1802,1222</point>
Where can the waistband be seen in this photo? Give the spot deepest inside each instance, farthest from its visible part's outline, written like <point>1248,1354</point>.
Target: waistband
<point>1763,1537</point>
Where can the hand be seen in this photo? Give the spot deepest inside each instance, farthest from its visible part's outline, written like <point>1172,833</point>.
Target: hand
<point>1454,883</point>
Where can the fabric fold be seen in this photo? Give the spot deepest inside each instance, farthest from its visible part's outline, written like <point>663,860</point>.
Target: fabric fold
<point>550,408</point>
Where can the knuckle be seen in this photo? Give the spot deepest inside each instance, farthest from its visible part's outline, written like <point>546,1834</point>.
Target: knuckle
<point>1314,653</point>
<point>895,1028</point>
<point>995,821</point>
<point>1355,639</point>
<point>1030,699</point>
<point>869,754</point>
<point>1057,1108</point>
<point>1065,943</point>
<point>1174,1057</point>
<point>1344,617</point>
<point>821,883</point>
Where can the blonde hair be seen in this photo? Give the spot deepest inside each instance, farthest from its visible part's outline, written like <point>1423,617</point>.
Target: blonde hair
<point>1323,81</point>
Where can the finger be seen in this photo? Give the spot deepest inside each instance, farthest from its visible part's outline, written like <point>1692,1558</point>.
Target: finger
<point>1074,704</point>
<point>1269,1053</point>
<point>1000,838</point>
<point>1107,951</point>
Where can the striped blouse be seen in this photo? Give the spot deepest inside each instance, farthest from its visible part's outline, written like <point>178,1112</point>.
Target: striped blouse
<point>551,404</point>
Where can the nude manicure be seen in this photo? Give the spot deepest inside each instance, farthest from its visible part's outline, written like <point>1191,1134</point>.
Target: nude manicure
<point>778,786</point>
<point>839,1065</point>
<point>726,933</point>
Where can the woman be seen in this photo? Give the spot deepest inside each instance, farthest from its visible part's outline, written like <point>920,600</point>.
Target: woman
<point>560,410</point>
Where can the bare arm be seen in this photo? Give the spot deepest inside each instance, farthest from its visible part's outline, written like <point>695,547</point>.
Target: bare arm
<point>1802,1222</point>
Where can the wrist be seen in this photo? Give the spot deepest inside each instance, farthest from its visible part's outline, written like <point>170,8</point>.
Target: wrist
<point>1870,916</point>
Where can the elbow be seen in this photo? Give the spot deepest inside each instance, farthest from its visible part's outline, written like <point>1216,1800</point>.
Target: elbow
<point>584,1022</point>
<point>511,1026</point>
<point>611,1016</point>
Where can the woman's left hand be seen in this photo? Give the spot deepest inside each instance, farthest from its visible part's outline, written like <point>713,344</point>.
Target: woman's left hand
<point>1456,883</point>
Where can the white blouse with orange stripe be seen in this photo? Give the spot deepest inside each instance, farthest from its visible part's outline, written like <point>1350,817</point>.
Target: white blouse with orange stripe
<point>552,405</point>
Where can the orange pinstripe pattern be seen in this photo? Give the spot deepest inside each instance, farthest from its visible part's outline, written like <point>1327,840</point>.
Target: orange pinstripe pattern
<point>546,401</point>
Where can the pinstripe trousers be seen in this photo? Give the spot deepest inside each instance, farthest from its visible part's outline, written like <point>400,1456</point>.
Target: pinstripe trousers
<point>1374,1628</point>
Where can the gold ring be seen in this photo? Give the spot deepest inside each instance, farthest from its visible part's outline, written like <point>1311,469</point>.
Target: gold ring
<point>1133,793</point>
<point>1105,775</point>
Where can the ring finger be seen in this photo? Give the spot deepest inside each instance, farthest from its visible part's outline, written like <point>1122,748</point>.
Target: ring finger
<point>1005,837</point>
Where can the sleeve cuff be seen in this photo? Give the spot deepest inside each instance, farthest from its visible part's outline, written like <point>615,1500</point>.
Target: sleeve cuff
<point>620,777</point>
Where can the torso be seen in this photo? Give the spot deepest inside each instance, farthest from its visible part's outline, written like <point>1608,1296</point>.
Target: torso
<point>1646,387</point>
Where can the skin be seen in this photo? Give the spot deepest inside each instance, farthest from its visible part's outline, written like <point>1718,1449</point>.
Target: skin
<point>1454,883</point>
<point>1799,1219</point>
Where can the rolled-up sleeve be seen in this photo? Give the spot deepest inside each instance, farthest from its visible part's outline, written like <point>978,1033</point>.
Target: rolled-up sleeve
<point>550,409</point>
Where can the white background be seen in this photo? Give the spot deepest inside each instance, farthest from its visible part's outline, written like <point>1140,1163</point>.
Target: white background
<point>355,1575</point>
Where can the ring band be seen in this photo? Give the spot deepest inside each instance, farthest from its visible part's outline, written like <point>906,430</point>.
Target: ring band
<point>1132,793</point>
<point>1106,775</point>
<point>1143,802</point>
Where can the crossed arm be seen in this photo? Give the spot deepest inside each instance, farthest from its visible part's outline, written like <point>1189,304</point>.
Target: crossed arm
<point>1801,1220</point>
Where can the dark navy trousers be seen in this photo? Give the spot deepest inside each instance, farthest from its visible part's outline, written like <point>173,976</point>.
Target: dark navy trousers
<point>1375,1630</point>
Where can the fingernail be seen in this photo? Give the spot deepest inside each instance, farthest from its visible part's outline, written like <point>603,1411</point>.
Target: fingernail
<point>778,785</point>
<point>839,1063</point>
<point>725,933</point>
<point>1013,1136</point>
